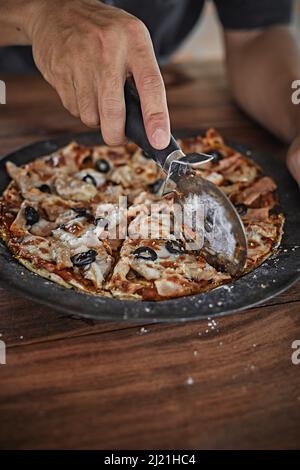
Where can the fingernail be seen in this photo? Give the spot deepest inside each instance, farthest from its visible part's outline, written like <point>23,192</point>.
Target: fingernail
<point>160,138</point>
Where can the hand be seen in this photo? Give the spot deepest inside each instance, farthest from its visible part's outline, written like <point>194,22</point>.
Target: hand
<point>85,50</point>
<point>293,159</point>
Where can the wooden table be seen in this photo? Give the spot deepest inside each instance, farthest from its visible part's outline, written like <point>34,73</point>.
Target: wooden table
<point>71,383</point>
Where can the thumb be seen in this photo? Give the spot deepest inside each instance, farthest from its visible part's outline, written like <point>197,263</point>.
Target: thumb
<point>293,159</point>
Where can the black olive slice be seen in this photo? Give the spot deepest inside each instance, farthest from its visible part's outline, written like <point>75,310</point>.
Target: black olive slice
<point>83,212</point>
<point>102,165</point>
<point>217,156</point>
<point>175,247</point>
<point>80,211</point>
<point>31,215</point>
<point>45,188</point>
<point>89,179</point>
<point>155,187</point>
<point>144,252</point>
<point>241,209</point>
<point>83,259</point>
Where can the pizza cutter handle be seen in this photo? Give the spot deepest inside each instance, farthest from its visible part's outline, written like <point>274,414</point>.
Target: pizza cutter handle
<point>135,129</point>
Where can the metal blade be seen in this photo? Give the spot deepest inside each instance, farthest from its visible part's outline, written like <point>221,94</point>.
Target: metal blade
<point>225,243</point>
<point>179,168</point>
<point>220,228</point>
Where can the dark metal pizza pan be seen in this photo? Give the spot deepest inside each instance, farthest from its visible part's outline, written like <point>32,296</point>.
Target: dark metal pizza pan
<point>272,277</point>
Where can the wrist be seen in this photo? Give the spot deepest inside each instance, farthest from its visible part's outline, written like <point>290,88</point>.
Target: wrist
<point>16,20</point>
<point>34,10</point>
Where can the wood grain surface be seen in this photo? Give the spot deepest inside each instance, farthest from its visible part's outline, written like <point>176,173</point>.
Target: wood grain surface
<point>76,384</point>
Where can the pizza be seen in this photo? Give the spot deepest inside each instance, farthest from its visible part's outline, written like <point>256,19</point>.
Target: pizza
<point>80,217</point>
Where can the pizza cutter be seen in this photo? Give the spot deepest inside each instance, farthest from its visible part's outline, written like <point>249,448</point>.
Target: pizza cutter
<point>223,237</point>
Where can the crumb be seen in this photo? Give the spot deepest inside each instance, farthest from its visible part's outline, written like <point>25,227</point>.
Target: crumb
<point>189,381</point>
<point>143,331</point>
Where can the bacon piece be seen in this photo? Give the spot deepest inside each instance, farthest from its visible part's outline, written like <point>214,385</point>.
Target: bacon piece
<point>254,215</point>
<point>229,162</point>
<point>260,187</point>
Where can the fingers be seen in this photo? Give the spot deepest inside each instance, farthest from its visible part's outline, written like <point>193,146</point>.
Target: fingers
<point>293,160</point>
<point>112,105</point>
<point>87,99</point>
<point>67,94</point>
<point>152,94</point>
<point>96,93</point>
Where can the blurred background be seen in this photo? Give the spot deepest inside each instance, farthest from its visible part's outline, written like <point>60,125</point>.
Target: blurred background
<point>208,34</point>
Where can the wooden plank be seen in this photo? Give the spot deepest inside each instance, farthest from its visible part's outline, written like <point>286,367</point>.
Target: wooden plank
<point>166,388</point>
<point>25,322</point>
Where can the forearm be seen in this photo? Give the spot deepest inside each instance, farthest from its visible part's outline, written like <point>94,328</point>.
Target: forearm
<point>16,18</point>
<point>261,69</point>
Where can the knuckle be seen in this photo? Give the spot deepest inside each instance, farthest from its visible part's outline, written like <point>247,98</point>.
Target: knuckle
<point>112,108</point>
<point>135,26</point>
<point>108,35</point>
<point>89,118</point>
<point>151,82</point>
<point>84,103</point>
<point>111,80</point>
<point>155,118</point>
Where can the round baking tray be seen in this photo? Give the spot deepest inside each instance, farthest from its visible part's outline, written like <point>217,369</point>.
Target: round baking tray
<point>274,276</point>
